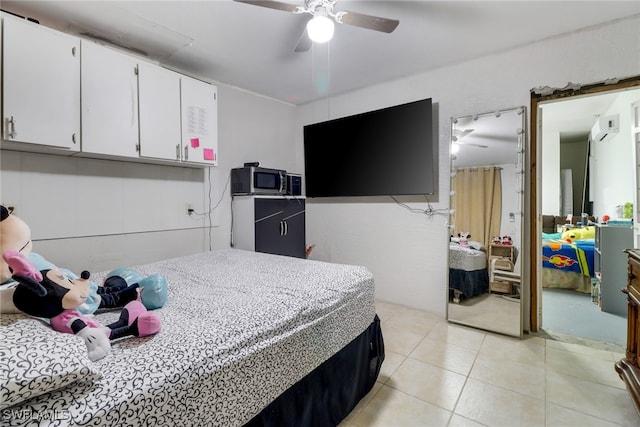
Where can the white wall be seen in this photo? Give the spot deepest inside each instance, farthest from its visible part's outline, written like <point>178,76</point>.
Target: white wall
<point>511,182</point>
<point>550,172</point>
<point>407,252</point>
<point>613,162</point>
<point>65,198</point>
<point>251,128</point>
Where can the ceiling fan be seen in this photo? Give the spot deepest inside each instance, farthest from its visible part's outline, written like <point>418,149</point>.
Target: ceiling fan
<point>458,134</point>
<point>320,27</point>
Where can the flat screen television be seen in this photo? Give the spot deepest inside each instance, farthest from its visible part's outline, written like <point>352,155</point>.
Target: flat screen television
<point>384,152</point>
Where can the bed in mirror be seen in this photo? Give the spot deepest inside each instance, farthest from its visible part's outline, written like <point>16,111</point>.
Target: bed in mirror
<point>486,217</point>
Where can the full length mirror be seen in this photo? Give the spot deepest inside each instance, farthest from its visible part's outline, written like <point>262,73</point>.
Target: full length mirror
<point>487,188</point>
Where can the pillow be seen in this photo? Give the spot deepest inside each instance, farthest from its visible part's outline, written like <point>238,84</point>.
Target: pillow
<point>6,298</point>
<point>35,359</point>
<point>476,245</point>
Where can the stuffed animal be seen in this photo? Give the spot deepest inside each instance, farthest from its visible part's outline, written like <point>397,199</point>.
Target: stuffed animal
<point>506,240</point>
<point>15,235</point>
<point>50,294</point>
<point>579,233</point>
<point>463,239</point>
<point>496,240</point>
<point>120,286</point>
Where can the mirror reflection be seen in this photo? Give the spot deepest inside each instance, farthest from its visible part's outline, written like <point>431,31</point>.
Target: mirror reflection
<point>487,186</point>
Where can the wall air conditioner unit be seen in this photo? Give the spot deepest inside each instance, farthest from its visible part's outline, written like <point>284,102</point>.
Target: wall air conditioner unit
<point>605,128</point>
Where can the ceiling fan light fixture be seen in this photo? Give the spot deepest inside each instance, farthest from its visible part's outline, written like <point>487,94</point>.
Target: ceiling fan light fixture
<point>320,29</point>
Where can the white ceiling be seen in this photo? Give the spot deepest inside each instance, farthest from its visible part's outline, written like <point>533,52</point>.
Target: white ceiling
<point>253,47</point>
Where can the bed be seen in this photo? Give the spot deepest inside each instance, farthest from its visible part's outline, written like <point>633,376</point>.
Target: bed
<point>468,272</point>
<point>247,339</point>
<point>567,265</point>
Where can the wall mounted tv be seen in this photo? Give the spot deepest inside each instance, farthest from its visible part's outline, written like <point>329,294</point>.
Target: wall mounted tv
<point>384,152</point>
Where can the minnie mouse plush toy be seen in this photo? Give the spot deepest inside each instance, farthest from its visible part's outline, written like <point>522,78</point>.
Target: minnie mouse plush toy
<point>120,286</point>
<point>463,239</point>
<point>52,295</point>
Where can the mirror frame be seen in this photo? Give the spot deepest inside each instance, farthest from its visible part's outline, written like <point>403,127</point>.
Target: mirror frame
<point>521,175</point>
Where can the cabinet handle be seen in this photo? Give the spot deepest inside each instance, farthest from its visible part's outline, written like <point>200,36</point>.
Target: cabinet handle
<point>281,228</point>
<point>12,127</point>
<point>74,138</point>
<point>286,228</point>
<point>186,153</point>
<point>73,51</point>
<point>178,152</point>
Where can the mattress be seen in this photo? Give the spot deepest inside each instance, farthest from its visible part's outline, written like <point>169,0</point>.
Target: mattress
<point>239,328</point>
<point>466,259</point>
<point>552,278</point>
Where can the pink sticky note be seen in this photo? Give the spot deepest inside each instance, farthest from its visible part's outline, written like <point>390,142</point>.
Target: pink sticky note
<point>208,154</point>
<point>195,142</point>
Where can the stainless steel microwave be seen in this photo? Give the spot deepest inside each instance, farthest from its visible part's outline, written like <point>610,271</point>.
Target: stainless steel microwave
<point>257,180</point>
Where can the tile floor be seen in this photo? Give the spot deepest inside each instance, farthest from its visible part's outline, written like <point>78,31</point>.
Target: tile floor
<point>441,374</point>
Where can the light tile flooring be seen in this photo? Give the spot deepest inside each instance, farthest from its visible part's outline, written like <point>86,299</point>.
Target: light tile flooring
<point>440,374</point>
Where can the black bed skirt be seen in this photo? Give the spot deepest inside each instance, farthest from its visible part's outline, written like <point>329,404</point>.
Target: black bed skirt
<point>470,283</point>
<point>329,393</point>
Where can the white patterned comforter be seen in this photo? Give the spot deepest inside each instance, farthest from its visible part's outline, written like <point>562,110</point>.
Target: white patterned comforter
<point>466,259</point>
<point>238,329</point>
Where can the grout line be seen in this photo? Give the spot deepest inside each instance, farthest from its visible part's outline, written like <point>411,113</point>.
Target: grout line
<point>466,379</point>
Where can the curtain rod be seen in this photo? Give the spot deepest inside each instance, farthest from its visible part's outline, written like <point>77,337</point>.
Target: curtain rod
<point>478,168</point>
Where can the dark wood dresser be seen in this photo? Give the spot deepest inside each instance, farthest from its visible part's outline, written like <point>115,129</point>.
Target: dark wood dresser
<point>629,367</point>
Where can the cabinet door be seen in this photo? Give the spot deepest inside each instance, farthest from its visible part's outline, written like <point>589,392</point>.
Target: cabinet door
<point>199,121</point>
<point>109,101</point>
<point>41,85</point>
<point>269,226</point>
<point>280,227</point>
<point>294,229</point>
<point>159,109</point>
<point>612,241</point>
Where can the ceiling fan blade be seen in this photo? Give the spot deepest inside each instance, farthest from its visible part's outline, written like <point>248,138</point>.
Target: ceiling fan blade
<point>304,43</point>
<point>367,21</point>
<point>274,5</point>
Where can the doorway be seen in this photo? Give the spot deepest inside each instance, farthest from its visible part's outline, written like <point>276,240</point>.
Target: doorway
<point>542,106</point>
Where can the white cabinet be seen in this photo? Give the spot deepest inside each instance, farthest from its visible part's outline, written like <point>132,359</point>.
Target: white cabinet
<point>178,117</point>
<point>40,86</point>
<point>199,106</point>
<point>109,101</point>
<point>129,108</point>
<point>610,265</point>
<point>159,107</point>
